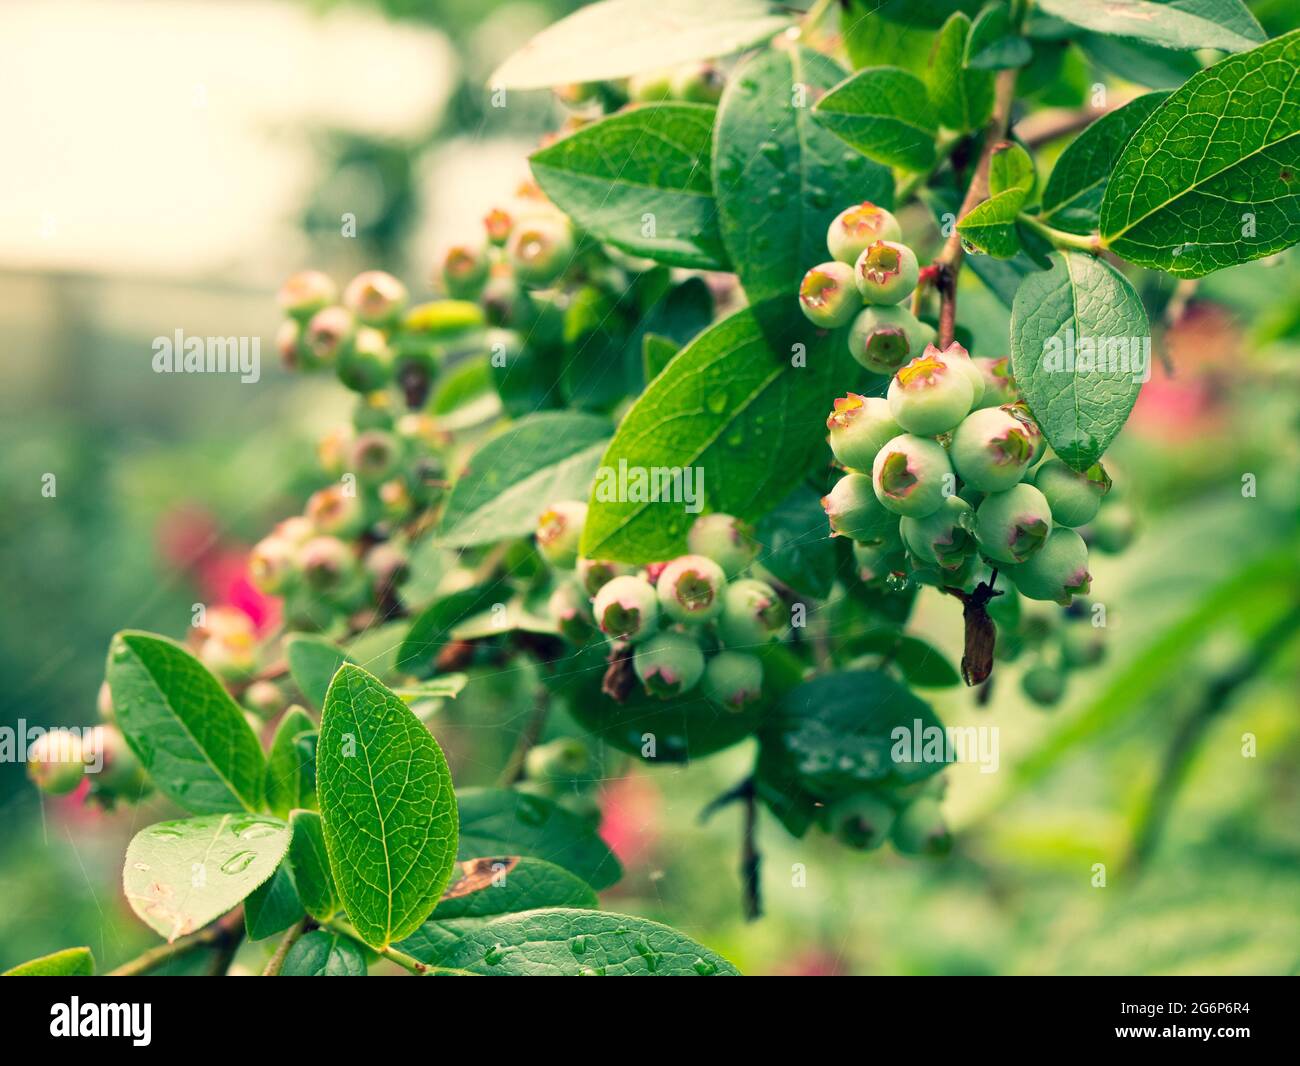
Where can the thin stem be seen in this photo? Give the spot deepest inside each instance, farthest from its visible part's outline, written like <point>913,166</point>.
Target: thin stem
<point>229,928</point>
<point>282,949</point>
<point>750,860</point>
<point>401,958</point>
<point>1090,242</point>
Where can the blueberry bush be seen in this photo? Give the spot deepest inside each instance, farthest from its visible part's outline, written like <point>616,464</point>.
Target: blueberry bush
<point>684,439</point>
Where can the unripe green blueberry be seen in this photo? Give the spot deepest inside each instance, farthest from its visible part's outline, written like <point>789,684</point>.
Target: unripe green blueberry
<point>328,334</point>
<point>960,358</point>
<point>1074,498</point>
<point>929,395</point>
<point>561,761</point>
<point>464,272</point>
<point>1113,529</point>
<point>444,319</point>
<point>911,475</point>
<point>1043,684</point>
<point>627,609</point>
<point>110,763</point>
<point>335,512</point>
<point>992,448</point>
<point>288,344</point>
<point>690,589</point>
<point>1058,571</point>
<point>999,385</point>
<point>367,363</point>
<point>943,538</point>
<point>856,228</point>
<point>724,539</point>
<point>734,680</point>
<point>54,762</point>
<point>272,564</point>
<point>861,822</point>
<point>650,87</point>
<point>1082,645</point>
<point>373,455</point>
<point>697,83</point>
<point>668,664</point>
<point>885,337</point>
<point>375,297</point>
<point>498,222</point>
<point>828,296</point>
<point>559,528</point>
<point>886,272</point>
<point>1020,410</point>
<point>1010,526</point>
<point>855,512</point>
<point>752,613</point>
<point>570,607</point>
<point>231,656</point>
<point>264,698</point>
<point>859,427</point>
<point>326,562</point>
<point>305,293</point>
<point>595,574</point>
<point>920,829</point>
<point>540,248</point>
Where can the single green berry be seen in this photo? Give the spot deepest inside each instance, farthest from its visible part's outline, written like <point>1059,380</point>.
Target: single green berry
<point>373,455</point>
<point>1074,498</point>
<point>1058,571</point>
<point>861,822</point>
<point>999,385</point>
<point>752,613</point>
<point>859,427</point>
<point>651,87</point>
<point>540,248</point>
<point>928,395</point>
<point>565,760</point>
<point>724,539</point>
<point>856,513</point>
<point>912,475</point>
<point>920,829</point>
<point>1010,526</point>
<point>289,346</point>
<point>272,564</point>
<point>885,337</point>
<point>943,538</point>
<point>828,296</point>
<point>1082,645</point>
<point>111,764</point>
<point>595,574</point>
<point>570,607</point>
<point>445,320</point>
<point>326,562</point>
<point>886,272</point>
<point>264,698</point>
<point>333,449</point>
<point>857,227</point>
<point>668,664</point>
<point>54,761</point>
<point>232,657</point>
<point>328,334</point>
<point>559,528</point>
<point>697,83</point>
<point>992,448</point>
<point>336,512</point>
<point>627,609</point>
<point>734,680</point>
<point>375,297</point>
<point>959,358</point>
<point>1113,529</point>
<point>305,293</point>
<point>690,589</point>
<point>1043,684</point>
<point>464,272</point>
<point>1020,410</point>
<point>367,363</point>
<point>498,223</point>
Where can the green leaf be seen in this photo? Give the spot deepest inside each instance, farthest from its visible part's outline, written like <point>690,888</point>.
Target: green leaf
<point>516,475</point>
<point>990,226</point>
<point>1144,64</point>
<point>796,546</point>
<point>962,98</point>
<point>656,353</point>
<point>993,43</point>
<point>1080,306</point>
<point>432,628</point>
<point>178,876</point>
<point>446,687</point>
<point>885,114</point>
<point>309,862</point>
<point>387,808</point>
<point>1210,179</point>
<point>291,764</point>
<point>313,662</point>
<point>921,664</point>
<point>731,410</point>
<point>620,37</point>
<point>182,724</point>
<point>899,39</point>
<point>639,180</point>
<point>487,888</point>
<point>596,332</point>
<point>1225,25</point>
<point>567,942</point>
<point>779,178</point>
<point>273,906</point>
<point>495,821</point>
<point>322,953</point>
<point>1072,199</point>
<point>1011,169</point>
<point>70,962</point>
<point>833,735</point>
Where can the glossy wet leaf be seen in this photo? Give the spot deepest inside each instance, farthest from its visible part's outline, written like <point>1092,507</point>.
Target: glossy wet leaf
<point>291,764</point>
<point>178,876</point>
<point>1226,25</point>
<point>990,226</point>
<point>387,808</point>
<point>70,962</point>
<point>885,114</point>
<point>322,953</point>
<point>190,735</point>
<point>309,861</point>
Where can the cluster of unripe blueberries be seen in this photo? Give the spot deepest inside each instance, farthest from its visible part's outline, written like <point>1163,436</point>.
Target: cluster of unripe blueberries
<point>948,466</point>
<point>696,620</point>
<point>59,760</point>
